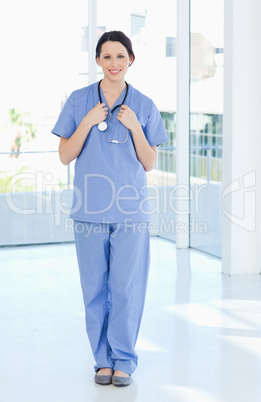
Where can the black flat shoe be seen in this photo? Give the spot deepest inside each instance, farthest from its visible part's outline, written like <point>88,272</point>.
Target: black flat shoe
<point>121,381</point>
<point>102,379</point>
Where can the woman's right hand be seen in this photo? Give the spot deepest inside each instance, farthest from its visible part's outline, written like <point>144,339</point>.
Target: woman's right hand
<point>70,148</point>
<point>97,114</point>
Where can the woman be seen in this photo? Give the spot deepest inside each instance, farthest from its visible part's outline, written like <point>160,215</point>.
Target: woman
<point>113,130</point>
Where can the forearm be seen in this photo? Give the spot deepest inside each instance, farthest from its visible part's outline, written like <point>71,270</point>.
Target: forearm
<point>71,148</point>
<point>146,154</point>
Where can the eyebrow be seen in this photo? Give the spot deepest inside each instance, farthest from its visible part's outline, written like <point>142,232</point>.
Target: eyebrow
<point>109,54</point>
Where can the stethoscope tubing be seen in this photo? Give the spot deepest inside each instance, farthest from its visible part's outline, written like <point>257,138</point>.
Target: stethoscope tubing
<point>102,126</point>
<point>115,107</point>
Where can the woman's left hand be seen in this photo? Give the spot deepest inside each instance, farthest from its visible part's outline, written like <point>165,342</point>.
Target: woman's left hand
<point>128,118</point>
<point>146,154</point>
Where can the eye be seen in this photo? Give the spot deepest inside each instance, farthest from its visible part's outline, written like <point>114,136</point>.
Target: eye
<point>106,57</point>
<point>121,56</point>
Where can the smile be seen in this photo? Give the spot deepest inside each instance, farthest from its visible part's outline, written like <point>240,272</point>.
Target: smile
<point>114,71</point>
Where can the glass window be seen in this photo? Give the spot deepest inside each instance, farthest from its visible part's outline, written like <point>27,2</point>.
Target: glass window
<point>43,59</point>
<point>206,124</point>
<point>45,54</point>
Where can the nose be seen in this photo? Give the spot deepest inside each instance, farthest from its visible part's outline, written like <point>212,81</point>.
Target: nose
<point>114,62</point>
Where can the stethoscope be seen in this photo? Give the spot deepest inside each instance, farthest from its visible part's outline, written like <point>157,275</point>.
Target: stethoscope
<point>102,126</point>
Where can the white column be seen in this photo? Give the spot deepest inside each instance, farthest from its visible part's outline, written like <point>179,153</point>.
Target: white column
<point>182,123</point>
<point>92,23</point>
<point>242,138</point>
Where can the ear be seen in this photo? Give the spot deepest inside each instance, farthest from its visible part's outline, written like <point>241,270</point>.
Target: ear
<point>131,60</point>
<point>98,61</point>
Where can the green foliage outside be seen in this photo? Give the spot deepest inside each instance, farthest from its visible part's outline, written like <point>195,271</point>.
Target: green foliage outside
<point>23,129</point>
<point>7,185</point>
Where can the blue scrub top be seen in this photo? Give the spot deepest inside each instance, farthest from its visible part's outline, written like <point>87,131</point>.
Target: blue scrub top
<point>110,183</point>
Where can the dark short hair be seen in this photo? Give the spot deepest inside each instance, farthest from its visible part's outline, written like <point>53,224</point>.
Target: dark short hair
<point>115,36</point>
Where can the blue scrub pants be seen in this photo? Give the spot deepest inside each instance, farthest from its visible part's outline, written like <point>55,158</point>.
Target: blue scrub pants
<point>113,261</point>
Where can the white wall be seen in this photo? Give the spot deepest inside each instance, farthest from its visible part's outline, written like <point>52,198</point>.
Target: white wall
<point>242,139</point>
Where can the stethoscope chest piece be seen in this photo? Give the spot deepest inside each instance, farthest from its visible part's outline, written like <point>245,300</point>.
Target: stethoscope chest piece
<point>102,126</point>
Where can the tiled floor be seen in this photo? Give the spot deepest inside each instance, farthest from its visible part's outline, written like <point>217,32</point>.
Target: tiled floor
<point>200,339</point>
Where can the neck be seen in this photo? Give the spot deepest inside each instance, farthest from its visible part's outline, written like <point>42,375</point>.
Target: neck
<point>112,86</point>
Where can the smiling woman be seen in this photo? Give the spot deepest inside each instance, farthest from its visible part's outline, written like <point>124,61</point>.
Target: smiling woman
<point>114,54</point>
<point>114,66</point>
<point>111,203</point>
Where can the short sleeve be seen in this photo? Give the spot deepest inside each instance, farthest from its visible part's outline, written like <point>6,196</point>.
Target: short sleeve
<point>66,125</point>
<point>155,130</point>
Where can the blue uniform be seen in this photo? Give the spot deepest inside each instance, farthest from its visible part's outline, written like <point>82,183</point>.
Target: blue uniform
<point>111,216</point>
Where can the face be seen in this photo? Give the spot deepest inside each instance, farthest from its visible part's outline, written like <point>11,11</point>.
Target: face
<point>114,60</point>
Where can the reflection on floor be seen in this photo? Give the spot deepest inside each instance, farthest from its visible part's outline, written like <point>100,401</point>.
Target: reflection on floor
<point>199,340</point>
